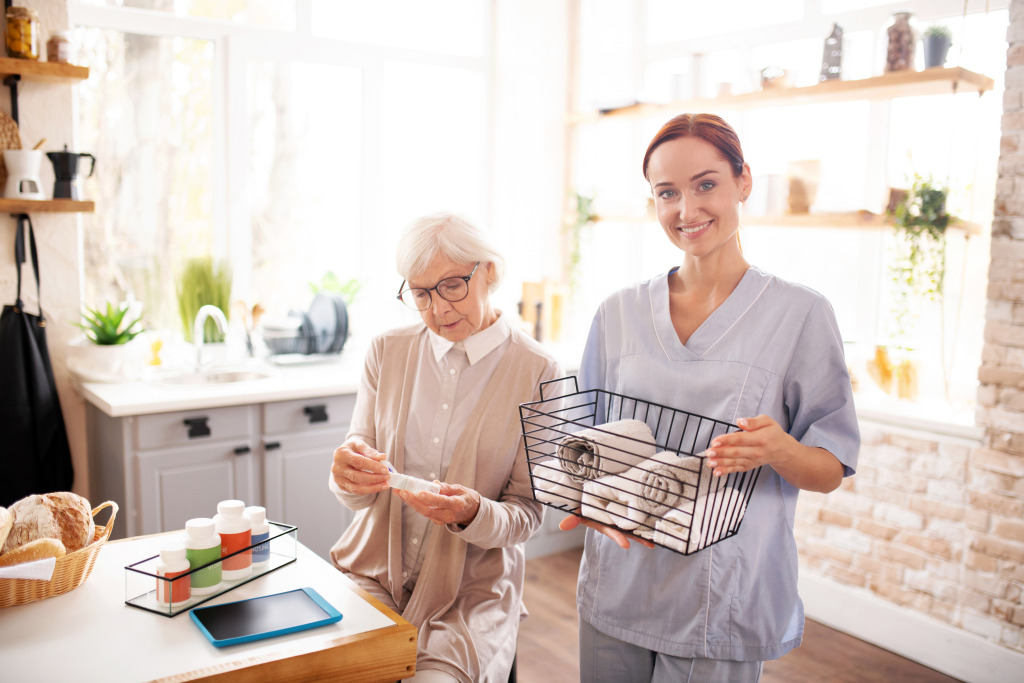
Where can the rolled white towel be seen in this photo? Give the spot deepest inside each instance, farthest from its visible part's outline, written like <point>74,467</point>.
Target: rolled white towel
<point>664,482</point>
<point>604,501</point>
<point>608,448</point>
<point>673,530</point>
<point>553,486</point>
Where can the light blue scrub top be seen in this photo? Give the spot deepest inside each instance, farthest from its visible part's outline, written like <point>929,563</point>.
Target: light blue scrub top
<point>773,347</point>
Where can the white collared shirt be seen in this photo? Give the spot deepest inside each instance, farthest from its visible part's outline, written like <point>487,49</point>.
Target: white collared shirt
<point>452,379</point>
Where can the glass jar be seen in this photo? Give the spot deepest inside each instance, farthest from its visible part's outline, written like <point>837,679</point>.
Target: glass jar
<point>901,42</point>
<point>22,33</point>
<point>59,47</point>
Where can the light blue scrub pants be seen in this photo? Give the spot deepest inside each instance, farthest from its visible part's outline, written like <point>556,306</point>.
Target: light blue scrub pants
<point>604,659</point>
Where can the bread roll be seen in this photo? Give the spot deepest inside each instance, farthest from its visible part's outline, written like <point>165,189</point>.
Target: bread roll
<point>39,549</point>
<point>63,515</point>
<point>6,522</point>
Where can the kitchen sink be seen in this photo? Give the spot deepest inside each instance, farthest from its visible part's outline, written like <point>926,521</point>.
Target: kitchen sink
<point>214,376</point>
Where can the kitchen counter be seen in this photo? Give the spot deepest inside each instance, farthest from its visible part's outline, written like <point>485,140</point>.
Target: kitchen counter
<point>328,377</point>
<point>89,634</point>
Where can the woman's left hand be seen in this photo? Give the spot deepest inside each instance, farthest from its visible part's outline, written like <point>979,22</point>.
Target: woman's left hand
<point>760,441</point>
<point>453,505</point>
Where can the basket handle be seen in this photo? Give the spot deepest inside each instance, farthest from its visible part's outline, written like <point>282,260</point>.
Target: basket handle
<point>575,387</point>
<point>110,521</point>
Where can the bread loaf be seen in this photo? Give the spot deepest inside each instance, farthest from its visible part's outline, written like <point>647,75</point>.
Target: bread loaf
<point>63,515</point>
<point>6,522</point>
<point>39,549</point>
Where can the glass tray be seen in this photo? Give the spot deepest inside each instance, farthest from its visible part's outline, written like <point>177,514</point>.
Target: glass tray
<point>141,579</point>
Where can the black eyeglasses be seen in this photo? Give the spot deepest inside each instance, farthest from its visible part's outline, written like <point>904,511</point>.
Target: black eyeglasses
<point>450,289</point>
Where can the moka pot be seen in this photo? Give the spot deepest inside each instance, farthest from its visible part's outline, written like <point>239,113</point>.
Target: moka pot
<point>65,169</point>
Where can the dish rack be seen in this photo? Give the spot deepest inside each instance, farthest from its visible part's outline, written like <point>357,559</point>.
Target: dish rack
<point>670,498</point>
<point>141,580</point>
<point>69,572</point>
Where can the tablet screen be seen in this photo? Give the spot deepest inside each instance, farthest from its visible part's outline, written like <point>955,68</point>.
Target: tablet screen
<point>262,617</point>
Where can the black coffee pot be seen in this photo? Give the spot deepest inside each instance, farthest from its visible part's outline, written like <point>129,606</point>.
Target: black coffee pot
<point>65,168</point>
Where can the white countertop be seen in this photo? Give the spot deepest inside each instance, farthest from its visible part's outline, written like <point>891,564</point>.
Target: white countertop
<point>89,634</point>
<point>328,376</point>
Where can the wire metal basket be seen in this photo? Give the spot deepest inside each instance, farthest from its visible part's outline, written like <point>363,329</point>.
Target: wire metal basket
<point>632,464</point>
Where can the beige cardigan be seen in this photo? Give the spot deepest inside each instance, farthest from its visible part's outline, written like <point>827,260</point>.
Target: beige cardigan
<point>467,603</point>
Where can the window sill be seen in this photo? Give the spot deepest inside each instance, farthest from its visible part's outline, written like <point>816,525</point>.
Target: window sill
<point>933,416</point>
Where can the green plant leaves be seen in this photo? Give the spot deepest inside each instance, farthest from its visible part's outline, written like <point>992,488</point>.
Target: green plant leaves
<point>108,328</point>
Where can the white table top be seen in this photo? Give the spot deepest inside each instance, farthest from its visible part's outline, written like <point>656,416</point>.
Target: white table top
<point>89,634</point>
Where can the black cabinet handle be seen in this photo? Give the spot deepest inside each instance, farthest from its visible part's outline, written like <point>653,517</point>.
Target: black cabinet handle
<point>316,413</point>
<point>197,426</point>
<point>242,450</point>
<point>271,445</point>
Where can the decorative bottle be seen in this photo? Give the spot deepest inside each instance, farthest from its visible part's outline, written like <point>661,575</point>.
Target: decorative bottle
<point>235,539</point>
<point>901,42</point>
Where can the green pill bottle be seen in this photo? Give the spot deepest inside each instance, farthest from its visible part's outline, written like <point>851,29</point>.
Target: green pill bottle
<point>202,546</point>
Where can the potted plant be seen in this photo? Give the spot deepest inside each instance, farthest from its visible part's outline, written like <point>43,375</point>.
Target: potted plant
<point>918,268</point>
<point>102,353</point>
<point>937,40</point>
<point>203,281</point>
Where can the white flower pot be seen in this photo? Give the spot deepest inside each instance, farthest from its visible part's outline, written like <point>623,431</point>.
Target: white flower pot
<point>92,362</point>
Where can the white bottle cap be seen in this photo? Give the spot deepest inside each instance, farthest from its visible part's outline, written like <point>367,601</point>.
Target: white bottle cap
<point>200,527</point>
<point>172,554</point>
<point>231,508</point>
<point>257,514</point>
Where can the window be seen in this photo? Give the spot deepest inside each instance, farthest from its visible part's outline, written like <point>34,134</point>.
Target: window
<point>291,141</point>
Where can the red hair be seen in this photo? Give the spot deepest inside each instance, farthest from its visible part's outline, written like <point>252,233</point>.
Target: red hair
<point>707,127</point>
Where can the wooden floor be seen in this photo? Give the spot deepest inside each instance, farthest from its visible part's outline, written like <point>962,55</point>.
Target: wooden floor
<point>548,640</point>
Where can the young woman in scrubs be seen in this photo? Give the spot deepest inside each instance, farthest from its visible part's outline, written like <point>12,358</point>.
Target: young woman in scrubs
<point>718,337</point>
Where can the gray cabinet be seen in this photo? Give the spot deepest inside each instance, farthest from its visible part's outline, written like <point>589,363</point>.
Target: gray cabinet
<point>165,468</point>
<point>299,438</point>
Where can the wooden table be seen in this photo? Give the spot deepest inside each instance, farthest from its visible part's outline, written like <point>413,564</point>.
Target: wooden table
<point>89,634</point>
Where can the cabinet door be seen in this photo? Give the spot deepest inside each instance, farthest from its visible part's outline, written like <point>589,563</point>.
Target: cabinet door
<point>297,469</point>
<point>298,445</point>
<point>178,484</point>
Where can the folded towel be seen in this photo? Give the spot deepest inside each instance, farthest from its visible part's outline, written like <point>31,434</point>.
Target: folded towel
<point>604,501</point>
<point>662,482</point>
<point>702,522</point>
<point>553,486</point>
<point>609,448</point>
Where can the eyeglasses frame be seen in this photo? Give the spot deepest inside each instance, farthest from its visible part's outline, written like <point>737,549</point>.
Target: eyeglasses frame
<point>428,290</point>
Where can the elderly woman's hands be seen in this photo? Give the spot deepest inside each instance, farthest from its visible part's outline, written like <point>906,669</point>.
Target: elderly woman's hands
<point>453,505</point>
<point>359,469</point>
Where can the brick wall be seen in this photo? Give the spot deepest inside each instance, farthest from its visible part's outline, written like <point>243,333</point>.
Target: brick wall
<point>935,523</point>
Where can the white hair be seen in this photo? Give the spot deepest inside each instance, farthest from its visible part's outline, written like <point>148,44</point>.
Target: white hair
<point>450,235</point>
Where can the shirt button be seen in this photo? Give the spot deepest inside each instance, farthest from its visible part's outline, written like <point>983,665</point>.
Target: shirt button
<point>405,575</point>
<point>451,371</point>
<point>444,406</point>
<point>415,541</point>
<point>436,440</point>
<point>433,476</point>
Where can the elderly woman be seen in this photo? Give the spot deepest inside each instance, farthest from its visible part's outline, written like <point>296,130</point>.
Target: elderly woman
<point>439,401</point>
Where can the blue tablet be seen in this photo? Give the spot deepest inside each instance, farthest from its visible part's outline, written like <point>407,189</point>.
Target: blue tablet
<point>267,616</point>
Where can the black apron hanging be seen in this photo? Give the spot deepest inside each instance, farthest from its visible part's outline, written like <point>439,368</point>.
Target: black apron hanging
<point>34,452</point>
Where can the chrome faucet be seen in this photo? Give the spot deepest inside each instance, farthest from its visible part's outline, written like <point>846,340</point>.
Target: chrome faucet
<point>204,313</point>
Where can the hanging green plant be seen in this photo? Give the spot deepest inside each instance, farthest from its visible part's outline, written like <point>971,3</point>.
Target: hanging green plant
<point>582,217</point>
<point>918,269</point>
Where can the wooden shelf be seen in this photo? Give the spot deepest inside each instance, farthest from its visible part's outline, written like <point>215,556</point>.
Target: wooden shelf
<point>934,81</point>
<point>17,206</point>
<point>858,220</point>
<point>32,70</point>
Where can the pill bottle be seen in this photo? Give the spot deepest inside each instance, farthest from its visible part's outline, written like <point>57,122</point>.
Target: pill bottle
<point>235,535</point>
<point>202,546</point>
<point>173,564</point>
<point>260,536</point>
<point>22,33</point>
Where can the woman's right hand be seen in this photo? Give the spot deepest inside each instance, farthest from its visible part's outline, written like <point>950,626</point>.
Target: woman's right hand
<point>617,535</point>
<point>359,468</point>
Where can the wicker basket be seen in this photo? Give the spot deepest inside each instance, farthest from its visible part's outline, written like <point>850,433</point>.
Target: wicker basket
<point>69,573</point>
